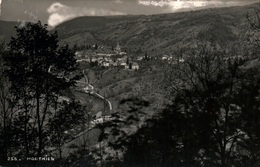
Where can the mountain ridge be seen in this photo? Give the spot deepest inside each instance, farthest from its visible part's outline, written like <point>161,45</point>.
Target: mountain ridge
<point>161,33</point>
<point>157,34</point>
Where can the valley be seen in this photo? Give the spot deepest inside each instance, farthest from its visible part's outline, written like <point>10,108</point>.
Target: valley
<point>165,89</point>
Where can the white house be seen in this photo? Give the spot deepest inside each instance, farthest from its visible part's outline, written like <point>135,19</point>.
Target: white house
<point>140,58</point>
<point>181,60</point>
<point>93,59</point>
<point>135,66</point>
<point>63,98</point>
<point>97,121</point>
<point>122,53</point>
<point>105,64</point>
<point>165,57</point>
<point>89,88</point>
<point>81,60</point>
<point>123,64</point>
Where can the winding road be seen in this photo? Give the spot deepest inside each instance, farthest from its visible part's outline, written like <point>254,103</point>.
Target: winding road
<point>80,137</point>
<point>95,93</point>
<point>89,85</point>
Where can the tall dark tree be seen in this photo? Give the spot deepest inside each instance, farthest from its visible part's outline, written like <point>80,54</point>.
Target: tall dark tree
<point>38,70</point>
<point>7,109</point>
<point>208,83</point>
<point>249,146</point>
<point>75,48</point>
<point>96,46</point>
<point>146,56</point>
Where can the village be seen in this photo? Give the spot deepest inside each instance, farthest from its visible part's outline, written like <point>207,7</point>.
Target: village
<point>103,57</point>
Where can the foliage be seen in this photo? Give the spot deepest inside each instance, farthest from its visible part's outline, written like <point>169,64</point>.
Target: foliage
<point>115,132</point>
<point>7,109</point>
<point>38,71</point>
<point>204,110</point>
<point>208,123</point>
<point>64,120</point>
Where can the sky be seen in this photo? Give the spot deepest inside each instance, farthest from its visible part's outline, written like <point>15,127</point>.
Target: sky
<point>54,12</point>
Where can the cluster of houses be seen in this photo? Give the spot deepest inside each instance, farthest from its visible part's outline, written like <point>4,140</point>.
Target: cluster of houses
<point>99,118</point>
<point>172,59</point>
<point>107,60</point>
<point>115,58</point>
<point>89,89</point>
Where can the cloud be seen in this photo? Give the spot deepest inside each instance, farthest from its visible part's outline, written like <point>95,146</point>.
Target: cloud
<point>177,5</point>
<point>60,13</point>
<point>118,1</point>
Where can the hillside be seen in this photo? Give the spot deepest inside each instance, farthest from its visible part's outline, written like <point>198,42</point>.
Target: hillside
<point>6,30</point>
<point>158,34</point>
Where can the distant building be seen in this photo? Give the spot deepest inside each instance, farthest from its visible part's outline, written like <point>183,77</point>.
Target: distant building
<point>140,58</point>
<point>89,88</point>
<point>118,49</point>
<point>135,66</point>
<point>101,54</point>
<point>105,64</point>
<point>181,60</point>
<point>122,53</point>
<point>79,54</point>
<point>165,57</point>
<point>81,60</point>
<point>122,63</point>
<point>93,59</point>
<point>63,98</point>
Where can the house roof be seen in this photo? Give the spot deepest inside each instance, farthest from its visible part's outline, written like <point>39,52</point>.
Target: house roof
<point>135,64</point>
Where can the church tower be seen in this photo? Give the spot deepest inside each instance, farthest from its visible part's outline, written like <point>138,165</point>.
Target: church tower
<point>118,49</point>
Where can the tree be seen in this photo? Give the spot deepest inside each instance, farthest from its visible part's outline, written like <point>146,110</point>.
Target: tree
<point>249,146</point>
<point>75,48</point>
<point>146,56</point>
<point>7,109</point>
<point>39,70</point>
<point>115,133</point>
<point>158,141</point>
<point>64,120</point>
<point>253,30</point>
<point>96,46</point>
<point>130,65</point>
<point>202,125</point>
<point>208,83</point>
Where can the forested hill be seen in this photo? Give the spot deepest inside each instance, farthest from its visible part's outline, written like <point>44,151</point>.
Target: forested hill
<point>158,33</point>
